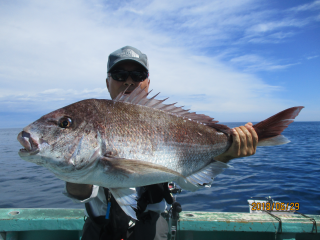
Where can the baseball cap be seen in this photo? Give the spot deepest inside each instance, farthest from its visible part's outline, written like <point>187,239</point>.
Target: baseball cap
<point>127,53</point>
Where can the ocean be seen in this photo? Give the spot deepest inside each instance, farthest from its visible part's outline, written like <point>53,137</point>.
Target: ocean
<point>288,173</point>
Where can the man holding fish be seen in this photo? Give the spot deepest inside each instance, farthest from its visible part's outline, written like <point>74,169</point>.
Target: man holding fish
<point>128,69</point>
<point>130,141</point>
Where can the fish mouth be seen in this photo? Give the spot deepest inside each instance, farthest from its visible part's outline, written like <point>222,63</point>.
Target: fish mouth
<point>30,144</point>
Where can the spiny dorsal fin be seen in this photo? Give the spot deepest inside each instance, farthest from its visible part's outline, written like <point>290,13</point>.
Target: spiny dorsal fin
<point>139,97</point>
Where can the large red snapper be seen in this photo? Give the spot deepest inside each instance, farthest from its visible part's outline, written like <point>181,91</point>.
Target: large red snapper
<point>133,141</point>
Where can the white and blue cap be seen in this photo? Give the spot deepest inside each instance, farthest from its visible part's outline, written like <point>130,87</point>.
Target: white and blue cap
<point>127,53</point>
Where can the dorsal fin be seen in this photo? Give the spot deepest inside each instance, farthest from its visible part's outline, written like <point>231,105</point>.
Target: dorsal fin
<point>139,97</point>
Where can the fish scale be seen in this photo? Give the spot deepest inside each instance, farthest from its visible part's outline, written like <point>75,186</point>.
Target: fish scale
<point>167,134</point>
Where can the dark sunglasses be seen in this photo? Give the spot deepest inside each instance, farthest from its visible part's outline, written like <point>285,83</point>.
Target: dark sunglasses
<point>122,75</point>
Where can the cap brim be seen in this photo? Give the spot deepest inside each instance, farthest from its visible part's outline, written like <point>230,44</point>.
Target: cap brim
<point>127,59</point>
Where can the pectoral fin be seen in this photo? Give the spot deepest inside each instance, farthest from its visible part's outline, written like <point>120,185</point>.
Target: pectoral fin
<point>131,166</point>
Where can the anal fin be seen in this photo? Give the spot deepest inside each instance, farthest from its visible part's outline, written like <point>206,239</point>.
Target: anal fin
<point>127,200</point>
<point>203,177</point>
<point>273,141</point>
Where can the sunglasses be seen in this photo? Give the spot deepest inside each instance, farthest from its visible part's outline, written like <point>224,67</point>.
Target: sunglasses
<point>122,75</point>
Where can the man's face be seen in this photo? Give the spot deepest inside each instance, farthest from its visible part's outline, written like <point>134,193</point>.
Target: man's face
<point>116,87</point>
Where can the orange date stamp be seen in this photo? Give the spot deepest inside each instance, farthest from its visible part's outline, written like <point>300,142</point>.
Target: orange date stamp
<point>275,206</point>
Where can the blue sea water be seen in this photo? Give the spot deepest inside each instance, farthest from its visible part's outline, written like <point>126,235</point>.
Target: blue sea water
<point>287,173</point>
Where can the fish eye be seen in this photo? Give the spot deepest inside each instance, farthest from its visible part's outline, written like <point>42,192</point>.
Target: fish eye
<point>65,122</point>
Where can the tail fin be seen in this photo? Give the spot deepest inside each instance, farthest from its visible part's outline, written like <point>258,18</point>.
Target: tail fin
<point>269,131</point>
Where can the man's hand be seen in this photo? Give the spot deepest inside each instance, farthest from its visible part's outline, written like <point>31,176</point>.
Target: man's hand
<point>79,191</point>
<point>244,143</point>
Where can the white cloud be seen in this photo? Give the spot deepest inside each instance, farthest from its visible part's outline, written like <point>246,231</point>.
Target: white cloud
<point>312,57</point>
<point>261,38</point>
<point>48,100</point>
<point>305,7</point>
<point>271,26</point>
<point>276,31</point>
<point>51,52</point>
<point>253,63</point>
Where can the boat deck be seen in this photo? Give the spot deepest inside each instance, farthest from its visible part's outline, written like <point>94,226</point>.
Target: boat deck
<point>62,224</point>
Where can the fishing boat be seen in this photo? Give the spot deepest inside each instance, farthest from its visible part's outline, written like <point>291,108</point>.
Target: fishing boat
<point>49,224</point>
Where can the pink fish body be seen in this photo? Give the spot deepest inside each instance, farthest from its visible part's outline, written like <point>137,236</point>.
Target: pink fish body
<point>133,141</point>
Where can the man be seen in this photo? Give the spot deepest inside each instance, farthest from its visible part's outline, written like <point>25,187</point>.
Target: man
<point>127,69</point>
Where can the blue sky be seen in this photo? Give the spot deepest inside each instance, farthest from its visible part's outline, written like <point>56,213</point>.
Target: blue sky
<point>236,61</point>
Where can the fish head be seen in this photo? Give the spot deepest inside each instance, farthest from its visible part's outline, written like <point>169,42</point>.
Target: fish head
<point>66,140</point>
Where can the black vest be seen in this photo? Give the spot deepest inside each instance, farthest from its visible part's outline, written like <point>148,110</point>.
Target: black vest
<point>114,228</point>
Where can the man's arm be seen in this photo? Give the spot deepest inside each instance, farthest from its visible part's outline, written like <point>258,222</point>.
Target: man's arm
<point>79,191</point>
<point>244,143</point>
